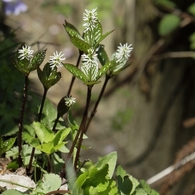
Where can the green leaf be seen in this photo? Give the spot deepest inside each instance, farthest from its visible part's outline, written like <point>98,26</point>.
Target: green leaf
<point>48,77</point>
<point>80,44</point>
<point>6,145</point>
<point>168,24</point>
<point>37,60</point>
<point>103,70</point>
<point>102,55</point>
<point>126,183</point>
<point>191,9</point>
<point>166,3</point>
<point>147,188</point>
<point>192,40</point>
<point>76,72</point>
<point>44,134</point>
<point>61,135</point>
<point>72,30</point>
<point>50,182</point>
<point>110,160</point>
<point>13,192</point>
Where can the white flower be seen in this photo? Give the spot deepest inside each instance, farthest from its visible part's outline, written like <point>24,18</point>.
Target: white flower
<point>69,100</point>
<point>56,60</point>
<point>90,66</point>
<point>121,55</point>
<point>25,53</point>
<point>90,19</point>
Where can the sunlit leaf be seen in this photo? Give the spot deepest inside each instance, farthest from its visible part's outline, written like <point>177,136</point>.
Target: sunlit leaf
<point>80,44</point>
<point>76,72</point>
<point>191,9</point>
<point>72,30</point>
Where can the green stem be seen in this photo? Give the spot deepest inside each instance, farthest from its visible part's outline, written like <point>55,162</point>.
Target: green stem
<point>39,119</point>
<point>97,102</point>
<point>20,125</point>
<point>83,125</point>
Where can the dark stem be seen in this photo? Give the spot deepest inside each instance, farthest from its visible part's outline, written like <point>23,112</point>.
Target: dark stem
<point>97,102</point>
<point>56,122</point>
<point>20,125</point>
<point>39,119</point>
<point>83,125</point>
<point>58,192</point>
<point>73,77</point>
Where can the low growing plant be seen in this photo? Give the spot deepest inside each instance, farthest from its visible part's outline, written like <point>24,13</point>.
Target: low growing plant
<point>40,144</point>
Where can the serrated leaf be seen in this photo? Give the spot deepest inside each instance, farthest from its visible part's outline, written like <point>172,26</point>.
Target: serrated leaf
<point>37,60</point>
<point>61,135</point>
<point>110,160</point>
<point>50,182</point>
<point>169,23</point>
<point>80,44</point>
<point>44,134</point>
<point>76,72</point>
<point>47,76</point>
<point>147,188</point>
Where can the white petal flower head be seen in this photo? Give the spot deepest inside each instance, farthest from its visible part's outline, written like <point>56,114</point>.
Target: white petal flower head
<point>123,52</point>
<point>56,60</point>
<point>90,19</point>
<point>121,55</point>
<point>69,101</point>
<point>25,53</point>
<point>90,66</point>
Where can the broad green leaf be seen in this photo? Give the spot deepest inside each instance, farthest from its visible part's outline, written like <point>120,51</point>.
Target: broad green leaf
<point>80,44</point>
<point>47,76</point>
<point>169,23</point>
<point>43,133</point>
<point>6,145</point>
<point>110,160</point>
<point>191,9</point>
<point>102,55</point>
<point>37,60</point>
<point>147,188</point>
<point>126,183</point>
<point>61,135</point>
<point>192,40</point>
<point>21,65</point>
<point>50,182</point>
<point>76,72</point>
<point>103,70</point>
<point>47,148</point>
<point>72,30</point>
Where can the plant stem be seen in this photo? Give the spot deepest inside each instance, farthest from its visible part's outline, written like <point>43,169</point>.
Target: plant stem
<point>97,102</point>
<point>39,119</point>
<point>20,125</point>
<point>83,124</point>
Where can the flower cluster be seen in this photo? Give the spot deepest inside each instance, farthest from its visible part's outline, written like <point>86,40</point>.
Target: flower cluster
<point>56,60</point>
<point>69,101</point>
<point>90,65</point>
<point>14,7</point>
<point>121,56</point>
<point>90,20</point>
<point>25,53</point>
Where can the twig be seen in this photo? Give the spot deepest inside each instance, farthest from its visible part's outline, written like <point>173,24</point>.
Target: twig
<point>170,169</point>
